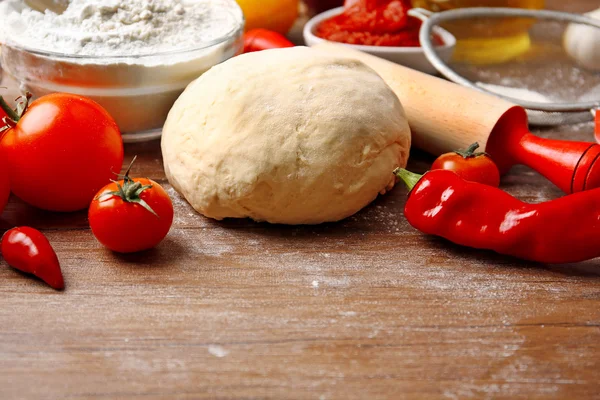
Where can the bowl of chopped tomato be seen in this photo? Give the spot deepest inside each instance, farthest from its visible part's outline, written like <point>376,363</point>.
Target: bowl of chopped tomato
<point>389,34</point>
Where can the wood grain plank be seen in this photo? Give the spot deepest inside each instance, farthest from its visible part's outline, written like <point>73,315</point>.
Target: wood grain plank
<point>366,308</point>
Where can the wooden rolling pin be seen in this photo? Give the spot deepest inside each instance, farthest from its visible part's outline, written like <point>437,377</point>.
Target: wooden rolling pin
<point>444,116</point>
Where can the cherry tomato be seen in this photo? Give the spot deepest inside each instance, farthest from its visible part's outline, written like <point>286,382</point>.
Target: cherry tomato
<point>60,151</point>
<point>28,250</point>
<point>131,215</point>
<point>263,39</point>
<point>471,166</point>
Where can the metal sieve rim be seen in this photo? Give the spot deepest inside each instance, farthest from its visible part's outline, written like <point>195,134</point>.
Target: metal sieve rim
<point>431,20</point>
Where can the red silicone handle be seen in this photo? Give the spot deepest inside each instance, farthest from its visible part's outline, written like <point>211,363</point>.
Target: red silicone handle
<point>572,166</point>
<point>597,125</point>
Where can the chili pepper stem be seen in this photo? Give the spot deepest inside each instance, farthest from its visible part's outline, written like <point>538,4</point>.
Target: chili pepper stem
<point>410,179</point>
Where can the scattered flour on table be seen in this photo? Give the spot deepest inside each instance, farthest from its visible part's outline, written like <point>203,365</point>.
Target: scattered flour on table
<point>181,205</point>
<point>217,351</point>
<point>388,217</point>
<point>217,244</point>
<point>196,241</point>
<point>348,313</point>
<point>177,199</point>
<point>121,27</point>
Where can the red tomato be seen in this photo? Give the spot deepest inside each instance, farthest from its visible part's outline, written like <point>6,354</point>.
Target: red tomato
<point>136,218</point>
<point>264,39</point>
<point>61,151</point>
<point>471,166</point>
<point>4,185</point>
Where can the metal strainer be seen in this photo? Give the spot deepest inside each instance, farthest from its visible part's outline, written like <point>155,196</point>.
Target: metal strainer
<point>554,113</point>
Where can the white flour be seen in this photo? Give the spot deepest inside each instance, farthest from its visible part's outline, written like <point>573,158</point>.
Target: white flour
<point>591,95</point>
<point>125,54</point>
<point>516,93</point>
<point>122,27</point>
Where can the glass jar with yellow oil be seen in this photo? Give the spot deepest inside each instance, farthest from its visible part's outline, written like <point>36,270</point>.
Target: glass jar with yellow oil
<point>486,40</point>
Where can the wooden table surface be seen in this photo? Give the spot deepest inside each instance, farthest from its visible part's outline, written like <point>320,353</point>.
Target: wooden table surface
<point>367,308</point>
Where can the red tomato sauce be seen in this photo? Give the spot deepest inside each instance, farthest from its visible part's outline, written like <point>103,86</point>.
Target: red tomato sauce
<point>373,23</point>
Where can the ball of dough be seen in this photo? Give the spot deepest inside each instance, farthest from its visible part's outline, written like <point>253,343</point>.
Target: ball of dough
<point>287,136</point>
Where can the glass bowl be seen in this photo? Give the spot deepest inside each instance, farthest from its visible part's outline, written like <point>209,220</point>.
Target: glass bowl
<point>412,57</point>
<point>138,91</point>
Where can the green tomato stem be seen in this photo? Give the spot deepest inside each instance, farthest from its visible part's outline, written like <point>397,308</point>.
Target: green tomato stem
<point>12,114</point>
<point>470,151</point>
<point>130,191</point>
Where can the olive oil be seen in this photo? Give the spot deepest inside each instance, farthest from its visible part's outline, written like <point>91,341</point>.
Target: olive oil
<point>486,40</point>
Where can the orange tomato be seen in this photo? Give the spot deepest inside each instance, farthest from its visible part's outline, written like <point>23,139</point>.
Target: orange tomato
<point>275,15</point>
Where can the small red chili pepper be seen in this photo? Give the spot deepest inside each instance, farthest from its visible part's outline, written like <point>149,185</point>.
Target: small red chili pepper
<point>28,250</point>
<point>471,214</point>
<point>264,39</point>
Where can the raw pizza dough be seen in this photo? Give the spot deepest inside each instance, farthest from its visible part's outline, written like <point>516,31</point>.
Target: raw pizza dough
<point>287,136</point>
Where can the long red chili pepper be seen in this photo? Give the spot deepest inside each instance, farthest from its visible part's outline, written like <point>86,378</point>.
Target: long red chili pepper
<point>28,250</point>
<point>264,39</point>
<point>471,214</point>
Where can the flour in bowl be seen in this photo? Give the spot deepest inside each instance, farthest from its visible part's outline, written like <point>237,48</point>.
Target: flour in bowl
<point>122,27</point>
<point>134,57</point>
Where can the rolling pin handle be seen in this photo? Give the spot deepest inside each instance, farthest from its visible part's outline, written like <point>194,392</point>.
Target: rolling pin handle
<point>504,141</point>
<point>572,166</point>
<point>587,172</point>
<point>596,113</point>
<point>566,164</point>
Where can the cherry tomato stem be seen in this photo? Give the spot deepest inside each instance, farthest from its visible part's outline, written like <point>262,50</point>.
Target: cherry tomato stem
<point>10,113</point>
<point>28,250</point>
<point>470,151</point>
